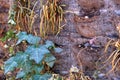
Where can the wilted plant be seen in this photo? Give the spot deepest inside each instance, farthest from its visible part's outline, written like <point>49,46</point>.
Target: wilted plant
<point>114,58</point>
<point>50,18</point>
<point>56,77</point>
<point>22,14</point>
<point>76,74</point>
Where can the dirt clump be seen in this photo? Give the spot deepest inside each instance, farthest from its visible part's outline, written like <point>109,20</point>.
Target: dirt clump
<point>90,7</point>
<point>86,31</point>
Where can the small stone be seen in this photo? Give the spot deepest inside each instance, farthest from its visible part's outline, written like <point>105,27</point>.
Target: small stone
<point>86,30</point>
<point>87,44</point>
<point>86,17</point>
<point>79,46</point>
<point>116,78</point>
<point>113,36</point>
<point>6,46</point>
<point>74,69</point>
<point>117,12</point>
<point>101,75</point>
<point>103,11</point>
<point>9,39</point>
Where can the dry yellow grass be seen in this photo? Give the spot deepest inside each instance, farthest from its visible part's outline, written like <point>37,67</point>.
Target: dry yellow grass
<point>114,58</point>
<point>51,18</point>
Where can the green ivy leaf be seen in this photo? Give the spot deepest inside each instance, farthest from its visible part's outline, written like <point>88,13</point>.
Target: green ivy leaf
<point>21,33</point>
<point>22,36</point>
<point>21,58</point>
<point>42,77</point>
<point>27,67</point>
<point>38,53</point>
<point>37,56</point>
<point>20,74</point>
<point>50,60</point>
<point>49,44</point>
<point>49,57</point>
<point>38,69</point>
<point>51,64</point>
<point>30,61</point>
<point>10,64</point>
<point>33,39</point>
<point>58,50</point>
<point>30,49</point>
<point>36,77</point>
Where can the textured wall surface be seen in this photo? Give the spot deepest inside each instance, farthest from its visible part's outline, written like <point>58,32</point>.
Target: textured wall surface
<point>89,27</point>
<point>4,8</point>
<point>90,24</point>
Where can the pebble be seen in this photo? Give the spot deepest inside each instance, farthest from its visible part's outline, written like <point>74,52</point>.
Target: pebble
<point>6,46</point>
<point>116,78</point>
<point>86,17</point>
<point>117,12</point>
<point>101,75</point>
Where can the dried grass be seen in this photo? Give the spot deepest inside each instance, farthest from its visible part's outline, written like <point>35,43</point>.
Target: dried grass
<point>51,18</point>
<point>114,58</point>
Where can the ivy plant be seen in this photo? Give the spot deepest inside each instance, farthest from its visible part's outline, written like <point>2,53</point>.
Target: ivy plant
<point>31,62</point>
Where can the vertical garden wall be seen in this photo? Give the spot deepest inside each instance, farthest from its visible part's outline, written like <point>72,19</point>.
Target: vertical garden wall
<point>88,26</point>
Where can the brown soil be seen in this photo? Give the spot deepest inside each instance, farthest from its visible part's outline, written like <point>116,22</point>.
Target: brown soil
<point>91,6</point>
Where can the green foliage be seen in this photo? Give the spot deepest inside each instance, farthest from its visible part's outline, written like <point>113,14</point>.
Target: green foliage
<point>32,61</point>
<point>37,53</point>
<point>11,50</point>
<point>10,34</point>
<point>23,36</point>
